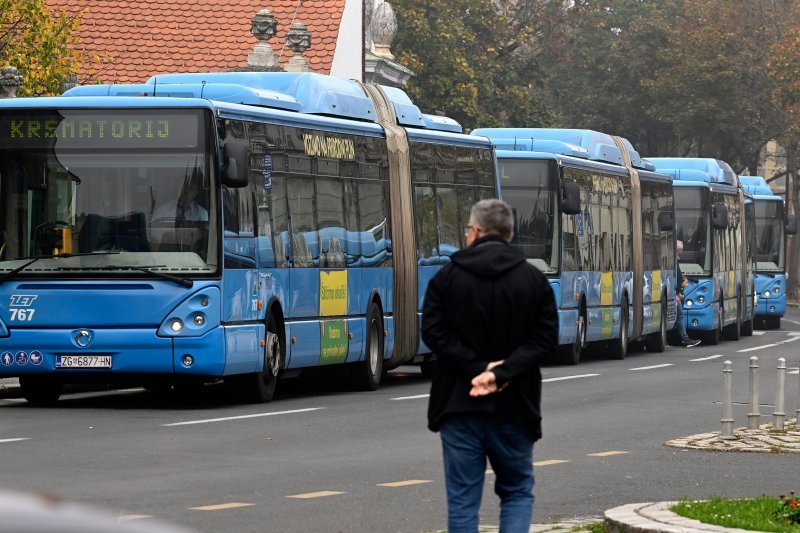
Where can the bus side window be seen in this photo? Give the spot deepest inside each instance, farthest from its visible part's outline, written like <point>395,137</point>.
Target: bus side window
<point>304,239</point>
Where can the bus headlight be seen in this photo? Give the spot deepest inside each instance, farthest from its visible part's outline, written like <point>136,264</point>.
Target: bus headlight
<point>701,299</point>
<point>776,290</point>
<point>176,326</point>
<point>199,320</point>
<point>689,303</point>
<point>767,294</point>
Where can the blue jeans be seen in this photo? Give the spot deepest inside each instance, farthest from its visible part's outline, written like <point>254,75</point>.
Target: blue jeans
<point>680,323</point>
<point>467,440</point>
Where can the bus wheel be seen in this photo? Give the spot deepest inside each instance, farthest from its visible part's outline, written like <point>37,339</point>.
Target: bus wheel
<point>260,387</point>
<point>570,354</point>
<point>712,337</point>
<point>772,322</point>
<point>734,331</point>
<point>619,347</point>
<point>657,342</point>
<point>367,373</point>
<point>40,391</point>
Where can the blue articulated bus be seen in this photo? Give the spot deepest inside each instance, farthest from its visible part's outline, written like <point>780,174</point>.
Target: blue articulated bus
<point>224,226</point>
<point>710,209</point>
<point>592,215</point>
<point>772,224</point>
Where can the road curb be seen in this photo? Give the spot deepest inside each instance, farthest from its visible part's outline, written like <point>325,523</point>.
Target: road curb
<point>655,517</point>
<point>9,388</point>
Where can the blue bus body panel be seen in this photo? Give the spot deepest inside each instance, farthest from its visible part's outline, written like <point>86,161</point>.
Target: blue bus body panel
<point>124,319</point>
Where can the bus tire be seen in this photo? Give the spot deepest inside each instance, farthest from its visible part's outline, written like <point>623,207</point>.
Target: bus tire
<point>40,391</point>
<point>619,347</point>
<point>259,387</point>
<point>367,373</point>
<point>657,342</point>
<point>712,337</point>
<point>772,322</point>
<point>734,331</point>
<point>570,354</point>
<point>747,327</point>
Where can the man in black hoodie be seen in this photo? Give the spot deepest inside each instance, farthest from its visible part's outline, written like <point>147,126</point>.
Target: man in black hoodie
<point>490,318</point>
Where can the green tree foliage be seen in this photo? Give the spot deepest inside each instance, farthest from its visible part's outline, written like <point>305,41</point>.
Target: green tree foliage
<point>677,77</point>
<point>39,41</point>
<point>474,60</point>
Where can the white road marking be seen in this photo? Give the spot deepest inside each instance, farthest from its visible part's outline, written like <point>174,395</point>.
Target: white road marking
<point>320,494</point>
<point>758,333</point>
<point>563,378</point>
<point>13,440</point>
<point>241,417</point>
<point>126,517</point>
<point>790,339</point>
<point>550,462</point>
<point>222,506</point>
<point>407,483</point>
<point>417,397</point>
<point>606,454</point>
<point>756,348</point>
<point>652,367</point>
<point>709,358</point>
<point>792,321</point>
<point>793,333</point>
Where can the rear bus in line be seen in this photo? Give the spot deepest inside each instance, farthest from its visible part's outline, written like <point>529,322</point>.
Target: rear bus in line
<point>772,224</point>
<point>710,211</point>
<point>224,226</point>
<point>601,230</point>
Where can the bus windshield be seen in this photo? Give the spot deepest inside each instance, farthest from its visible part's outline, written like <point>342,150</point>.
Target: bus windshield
<point>137,182</point>
<point>528,187</point>
<point>769,236</point>
<point>694,229</point>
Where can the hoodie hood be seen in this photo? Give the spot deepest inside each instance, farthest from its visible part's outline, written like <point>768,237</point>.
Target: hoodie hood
<point>488,257</point>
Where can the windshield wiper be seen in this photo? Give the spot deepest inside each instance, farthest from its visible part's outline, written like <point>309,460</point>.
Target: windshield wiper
<point>146,269</point>
<point>34,259</point>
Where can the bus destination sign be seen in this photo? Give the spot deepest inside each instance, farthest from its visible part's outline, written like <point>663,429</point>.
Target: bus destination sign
<point>68,129</point>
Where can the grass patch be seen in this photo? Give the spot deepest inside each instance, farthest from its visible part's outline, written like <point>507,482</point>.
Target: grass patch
<point>754,514</point>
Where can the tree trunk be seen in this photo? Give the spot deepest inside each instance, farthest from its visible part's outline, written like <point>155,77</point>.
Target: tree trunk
<point>794,206</point>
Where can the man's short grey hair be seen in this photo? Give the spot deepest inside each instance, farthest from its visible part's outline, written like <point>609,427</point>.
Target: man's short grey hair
<point>494,217</point>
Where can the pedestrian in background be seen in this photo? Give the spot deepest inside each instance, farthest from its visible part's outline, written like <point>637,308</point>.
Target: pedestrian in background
<point>490,318</point>
<point>680,323</point>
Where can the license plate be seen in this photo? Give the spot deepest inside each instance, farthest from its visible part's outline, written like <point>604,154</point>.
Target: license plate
<point>83,361</point>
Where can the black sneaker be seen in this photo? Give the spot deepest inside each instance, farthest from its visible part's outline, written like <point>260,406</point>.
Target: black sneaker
<point>688,343</point>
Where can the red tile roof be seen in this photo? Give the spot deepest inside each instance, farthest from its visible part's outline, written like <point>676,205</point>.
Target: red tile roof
<point>137,39</point>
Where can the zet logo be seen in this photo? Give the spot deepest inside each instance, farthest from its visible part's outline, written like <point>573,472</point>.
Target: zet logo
<point>22,300</point>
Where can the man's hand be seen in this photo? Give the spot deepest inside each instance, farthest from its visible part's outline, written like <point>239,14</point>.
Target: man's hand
<point>486,382</point>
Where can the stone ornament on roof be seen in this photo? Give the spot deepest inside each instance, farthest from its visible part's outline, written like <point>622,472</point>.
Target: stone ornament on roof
<point>298,38</point>
<point>383,28</point>
<point>263,28</point>
<point>10,82</point>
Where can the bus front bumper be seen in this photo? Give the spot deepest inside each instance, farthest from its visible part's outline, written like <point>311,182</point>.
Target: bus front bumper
<point>110,352</point>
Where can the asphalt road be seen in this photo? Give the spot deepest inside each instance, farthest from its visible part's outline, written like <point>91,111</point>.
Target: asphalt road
<point>321,458</point>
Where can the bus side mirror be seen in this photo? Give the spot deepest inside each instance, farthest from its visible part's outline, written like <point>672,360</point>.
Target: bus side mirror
<point>791,224</point>
<point>719,216</point>
<point>235,164</point>
<point>666,221</point>
<point>570,198</point>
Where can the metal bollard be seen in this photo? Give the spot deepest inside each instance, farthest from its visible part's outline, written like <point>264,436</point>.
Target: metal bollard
<point>754,415</point>
<point>797,410</point>
<point>727,402</point>
<point>778,416</point>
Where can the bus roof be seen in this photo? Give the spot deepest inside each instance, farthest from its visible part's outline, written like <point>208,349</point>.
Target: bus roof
<point>703,169</point>
<point>757,186</point>
<point>583,144</point>
<point>303,92</point>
